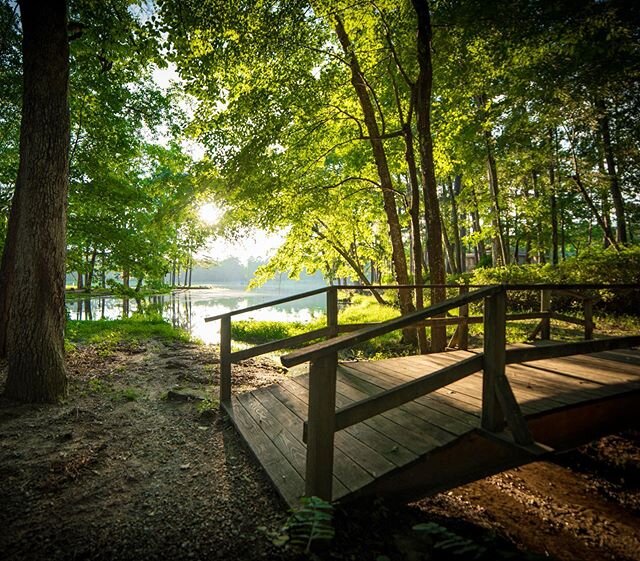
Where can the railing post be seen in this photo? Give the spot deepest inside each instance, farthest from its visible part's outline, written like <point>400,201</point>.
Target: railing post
<point>463,326</point>
<point>494,360</point>
<point>545,306</point>
<point>225,359</point>
<point>332,311</point>
<point>321,426</point>
<point>588,318</point>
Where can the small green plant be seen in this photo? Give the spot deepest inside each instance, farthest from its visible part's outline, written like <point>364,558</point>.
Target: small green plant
<point>99,386</point>
<point>128,394</point>
<point>207,405</point>
<point>312,522</point>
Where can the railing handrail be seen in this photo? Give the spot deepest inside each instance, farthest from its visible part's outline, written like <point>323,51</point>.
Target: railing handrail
<point>532,286</point>
<point>344,341</point>
<point>283,300</point>
<point>506,286</point>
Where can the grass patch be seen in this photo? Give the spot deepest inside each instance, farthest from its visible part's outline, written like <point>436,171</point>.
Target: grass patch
<point>111,332</point>
<point>102,387</point>
<point>257,332</point>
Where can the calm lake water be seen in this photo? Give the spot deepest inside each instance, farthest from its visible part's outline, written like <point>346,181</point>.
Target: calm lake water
<point>188,308</point>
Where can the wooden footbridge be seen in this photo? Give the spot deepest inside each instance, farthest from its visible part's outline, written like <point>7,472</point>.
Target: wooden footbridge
<point>407,427</point>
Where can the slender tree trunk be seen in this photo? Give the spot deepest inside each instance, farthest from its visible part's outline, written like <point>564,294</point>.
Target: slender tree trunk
<point>430,189</point>
<point>614,184</point>
<point>540,253</point>
<point>80,280</point>
<point>477,229</point>
<point>594,210</point>
<point>500,245</point>
<point>395,232</point>
<point>553,203</point>
<point>34,260</point>
<point>501,250</point>
<point>92,268</point>
<point>126,277</point>
<point>454,192</point>
<point>351,261</point>
<point>416,238</point>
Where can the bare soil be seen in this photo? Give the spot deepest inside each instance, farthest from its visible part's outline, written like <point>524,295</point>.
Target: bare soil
<point>130,468</point>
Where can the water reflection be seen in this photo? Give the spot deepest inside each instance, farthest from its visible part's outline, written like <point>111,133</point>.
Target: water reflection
<point>188,308</point>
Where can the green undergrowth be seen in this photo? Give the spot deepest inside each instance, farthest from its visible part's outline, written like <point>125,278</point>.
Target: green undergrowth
<point>112,332</point>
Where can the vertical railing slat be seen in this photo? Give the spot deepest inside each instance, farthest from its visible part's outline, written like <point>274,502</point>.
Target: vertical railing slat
<point>225,360</point>
<point>321,427</point>
<point>463,333</point>
<point>588,318</point>
<point>545,306</point>
<point>494,359</point>
<point>332,311</point>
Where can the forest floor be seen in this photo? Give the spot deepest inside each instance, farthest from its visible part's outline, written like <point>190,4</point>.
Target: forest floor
<point>125,469</point>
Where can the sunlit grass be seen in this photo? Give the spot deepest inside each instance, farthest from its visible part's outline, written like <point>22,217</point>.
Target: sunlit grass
<point>115,331</point>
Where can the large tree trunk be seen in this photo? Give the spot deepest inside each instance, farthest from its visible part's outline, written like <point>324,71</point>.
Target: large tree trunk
<point>34,261</point>
<point>430,190</point>
<point>380,157</point>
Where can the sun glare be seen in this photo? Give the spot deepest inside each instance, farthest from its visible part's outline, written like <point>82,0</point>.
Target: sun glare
<point>209,213</point>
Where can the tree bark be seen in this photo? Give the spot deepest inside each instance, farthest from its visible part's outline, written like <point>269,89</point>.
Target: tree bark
<point>614,184</point>
<point>380,157</point>
<point>34,260</point>
<point>553,202</point>
<point>477,229</point>
<point>501,249</point>
<point>423,89</point>
<point>416,245</point>
<point>454,191</point>
<point>91,272</point>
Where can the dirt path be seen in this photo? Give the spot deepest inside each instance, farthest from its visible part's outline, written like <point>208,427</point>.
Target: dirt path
<point>127,469</point>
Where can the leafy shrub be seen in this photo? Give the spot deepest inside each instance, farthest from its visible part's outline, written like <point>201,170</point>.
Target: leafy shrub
<point>312,522</point>
<point>593,266</point>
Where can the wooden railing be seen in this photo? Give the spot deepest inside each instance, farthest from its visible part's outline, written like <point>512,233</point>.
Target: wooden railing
<point>227,358</point>
<point>499,405</point>
<point>462,321</point>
